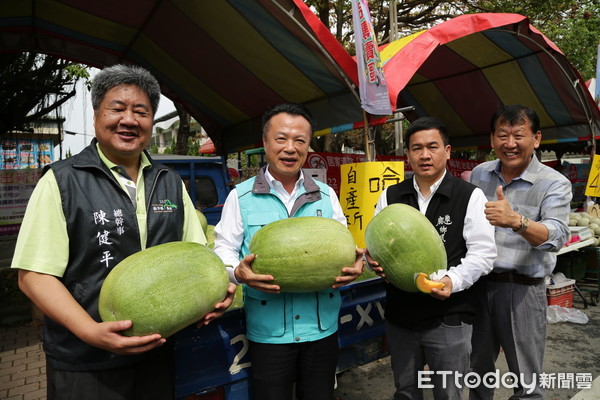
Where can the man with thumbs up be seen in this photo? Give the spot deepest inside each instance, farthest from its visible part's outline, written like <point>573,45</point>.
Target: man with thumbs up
<point>529,204</point>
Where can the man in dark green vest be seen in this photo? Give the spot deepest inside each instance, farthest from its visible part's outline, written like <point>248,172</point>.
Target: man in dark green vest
<point>86,214</point>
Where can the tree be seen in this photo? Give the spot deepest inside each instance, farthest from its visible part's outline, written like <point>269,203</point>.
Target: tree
<point>183,133</point>
<point>413,15</point>
<point>33,86</point>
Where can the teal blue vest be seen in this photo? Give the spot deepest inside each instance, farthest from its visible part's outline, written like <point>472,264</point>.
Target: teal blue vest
<point>285,317</point>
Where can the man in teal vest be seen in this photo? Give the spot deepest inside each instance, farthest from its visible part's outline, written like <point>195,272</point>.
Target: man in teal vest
<point>293,336</point>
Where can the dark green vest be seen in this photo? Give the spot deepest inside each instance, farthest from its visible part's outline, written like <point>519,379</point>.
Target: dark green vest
<point>447,209</point>
<point>103,230</point>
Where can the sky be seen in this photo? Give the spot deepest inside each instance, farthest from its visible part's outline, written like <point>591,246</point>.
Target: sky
<point>79,118</point>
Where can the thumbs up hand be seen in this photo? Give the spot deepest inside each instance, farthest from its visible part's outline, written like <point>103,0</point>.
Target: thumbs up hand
<point>499,193</point>
<point>500,213</point>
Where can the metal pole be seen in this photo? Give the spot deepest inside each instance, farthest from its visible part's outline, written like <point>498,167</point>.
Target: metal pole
<point>367,137</point>
<point>393,20</point>
<point>398,134</point>
<point>397,115</point>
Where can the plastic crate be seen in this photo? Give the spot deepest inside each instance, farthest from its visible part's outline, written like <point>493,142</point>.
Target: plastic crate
<point>561,294</point>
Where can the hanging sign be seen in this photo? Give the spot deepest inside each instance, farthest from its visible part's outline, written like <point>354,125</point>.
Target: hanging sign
<point>362,184</point>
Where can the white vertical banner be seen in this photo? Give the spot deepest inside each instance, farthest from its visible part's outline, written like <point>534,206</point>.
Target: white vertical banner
<point>374,97</point>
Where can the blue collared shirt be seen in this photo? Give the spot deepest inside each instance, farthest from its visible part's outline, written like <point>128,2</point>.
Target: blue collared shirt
<point>542,195</point>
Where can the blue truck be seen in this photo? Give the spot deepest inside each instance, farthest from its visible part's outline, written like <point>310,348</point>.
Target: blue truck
<point>206,179</point>
<point>212,362</point>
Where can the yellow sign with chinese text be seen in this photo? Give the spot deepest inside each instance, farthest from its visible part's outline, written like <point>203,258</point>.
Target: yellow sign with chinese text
<point>592,188</point>
<point>361,186</point>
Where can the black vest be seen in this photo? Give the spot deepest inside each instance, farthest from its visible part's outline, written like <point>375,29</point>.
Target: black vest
<point>103,230</point>
<point>446,211</point>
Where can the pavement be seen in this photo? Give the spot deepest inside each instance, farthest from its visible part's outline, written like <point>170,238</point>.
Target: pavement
<point>22,364</point>
<point>571,348</point>
<point>572,353</point>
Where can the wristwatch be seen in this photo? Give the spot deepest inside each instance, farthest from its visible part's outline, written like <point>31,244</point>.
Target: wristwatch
<point>524,225</point>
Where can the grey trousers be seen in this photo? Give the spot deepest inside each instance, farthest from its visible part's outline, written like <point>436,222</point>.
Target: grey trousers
<point>512,316</point>
<point>443,348</point>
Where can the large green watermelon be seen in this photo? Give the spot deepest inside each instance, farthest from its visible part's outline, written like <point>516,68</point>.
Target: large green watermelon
<point>210,236</point>
<point>303,254</point>
<point>404,243</point>
<point>164,288</point>
<point>202,219</point>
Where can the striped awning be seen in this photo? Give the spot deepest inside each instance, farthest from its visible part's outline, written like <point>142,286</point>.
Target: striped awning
<point>226,61</point>
<point>463,69</point>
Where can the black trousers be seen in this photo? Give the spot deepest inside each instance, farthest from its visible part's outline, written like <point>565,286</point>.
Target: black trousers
<point>151,379</point>
<point>310,365</point>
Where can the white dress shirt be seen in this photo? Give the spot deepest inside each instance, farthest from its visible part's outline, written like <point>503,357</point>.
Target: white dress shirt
<point>478,234</point>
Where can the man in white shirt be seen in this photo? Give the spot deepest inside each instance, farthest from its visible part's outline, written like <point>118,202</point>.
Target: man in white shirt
<point>436,329</point>
<point>293,336</point>
<point>529,206</point>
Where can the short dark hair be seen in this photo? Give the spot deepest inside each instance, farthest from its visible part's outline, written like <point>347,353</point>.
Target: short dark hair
<point>515,114</point>
<point>424,124</point>
<point>288,108</point>
<point>120,74</point>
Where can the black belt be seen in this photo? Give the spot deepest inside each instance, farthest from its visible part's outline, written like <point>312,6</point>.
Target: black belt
<point>455,319</point>
<point>513,277</point>
<point>452,320</point>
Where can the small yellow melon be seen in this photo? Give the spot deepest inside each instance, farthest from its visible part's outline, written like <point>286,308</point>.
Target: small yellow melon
<point>424,284</point>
